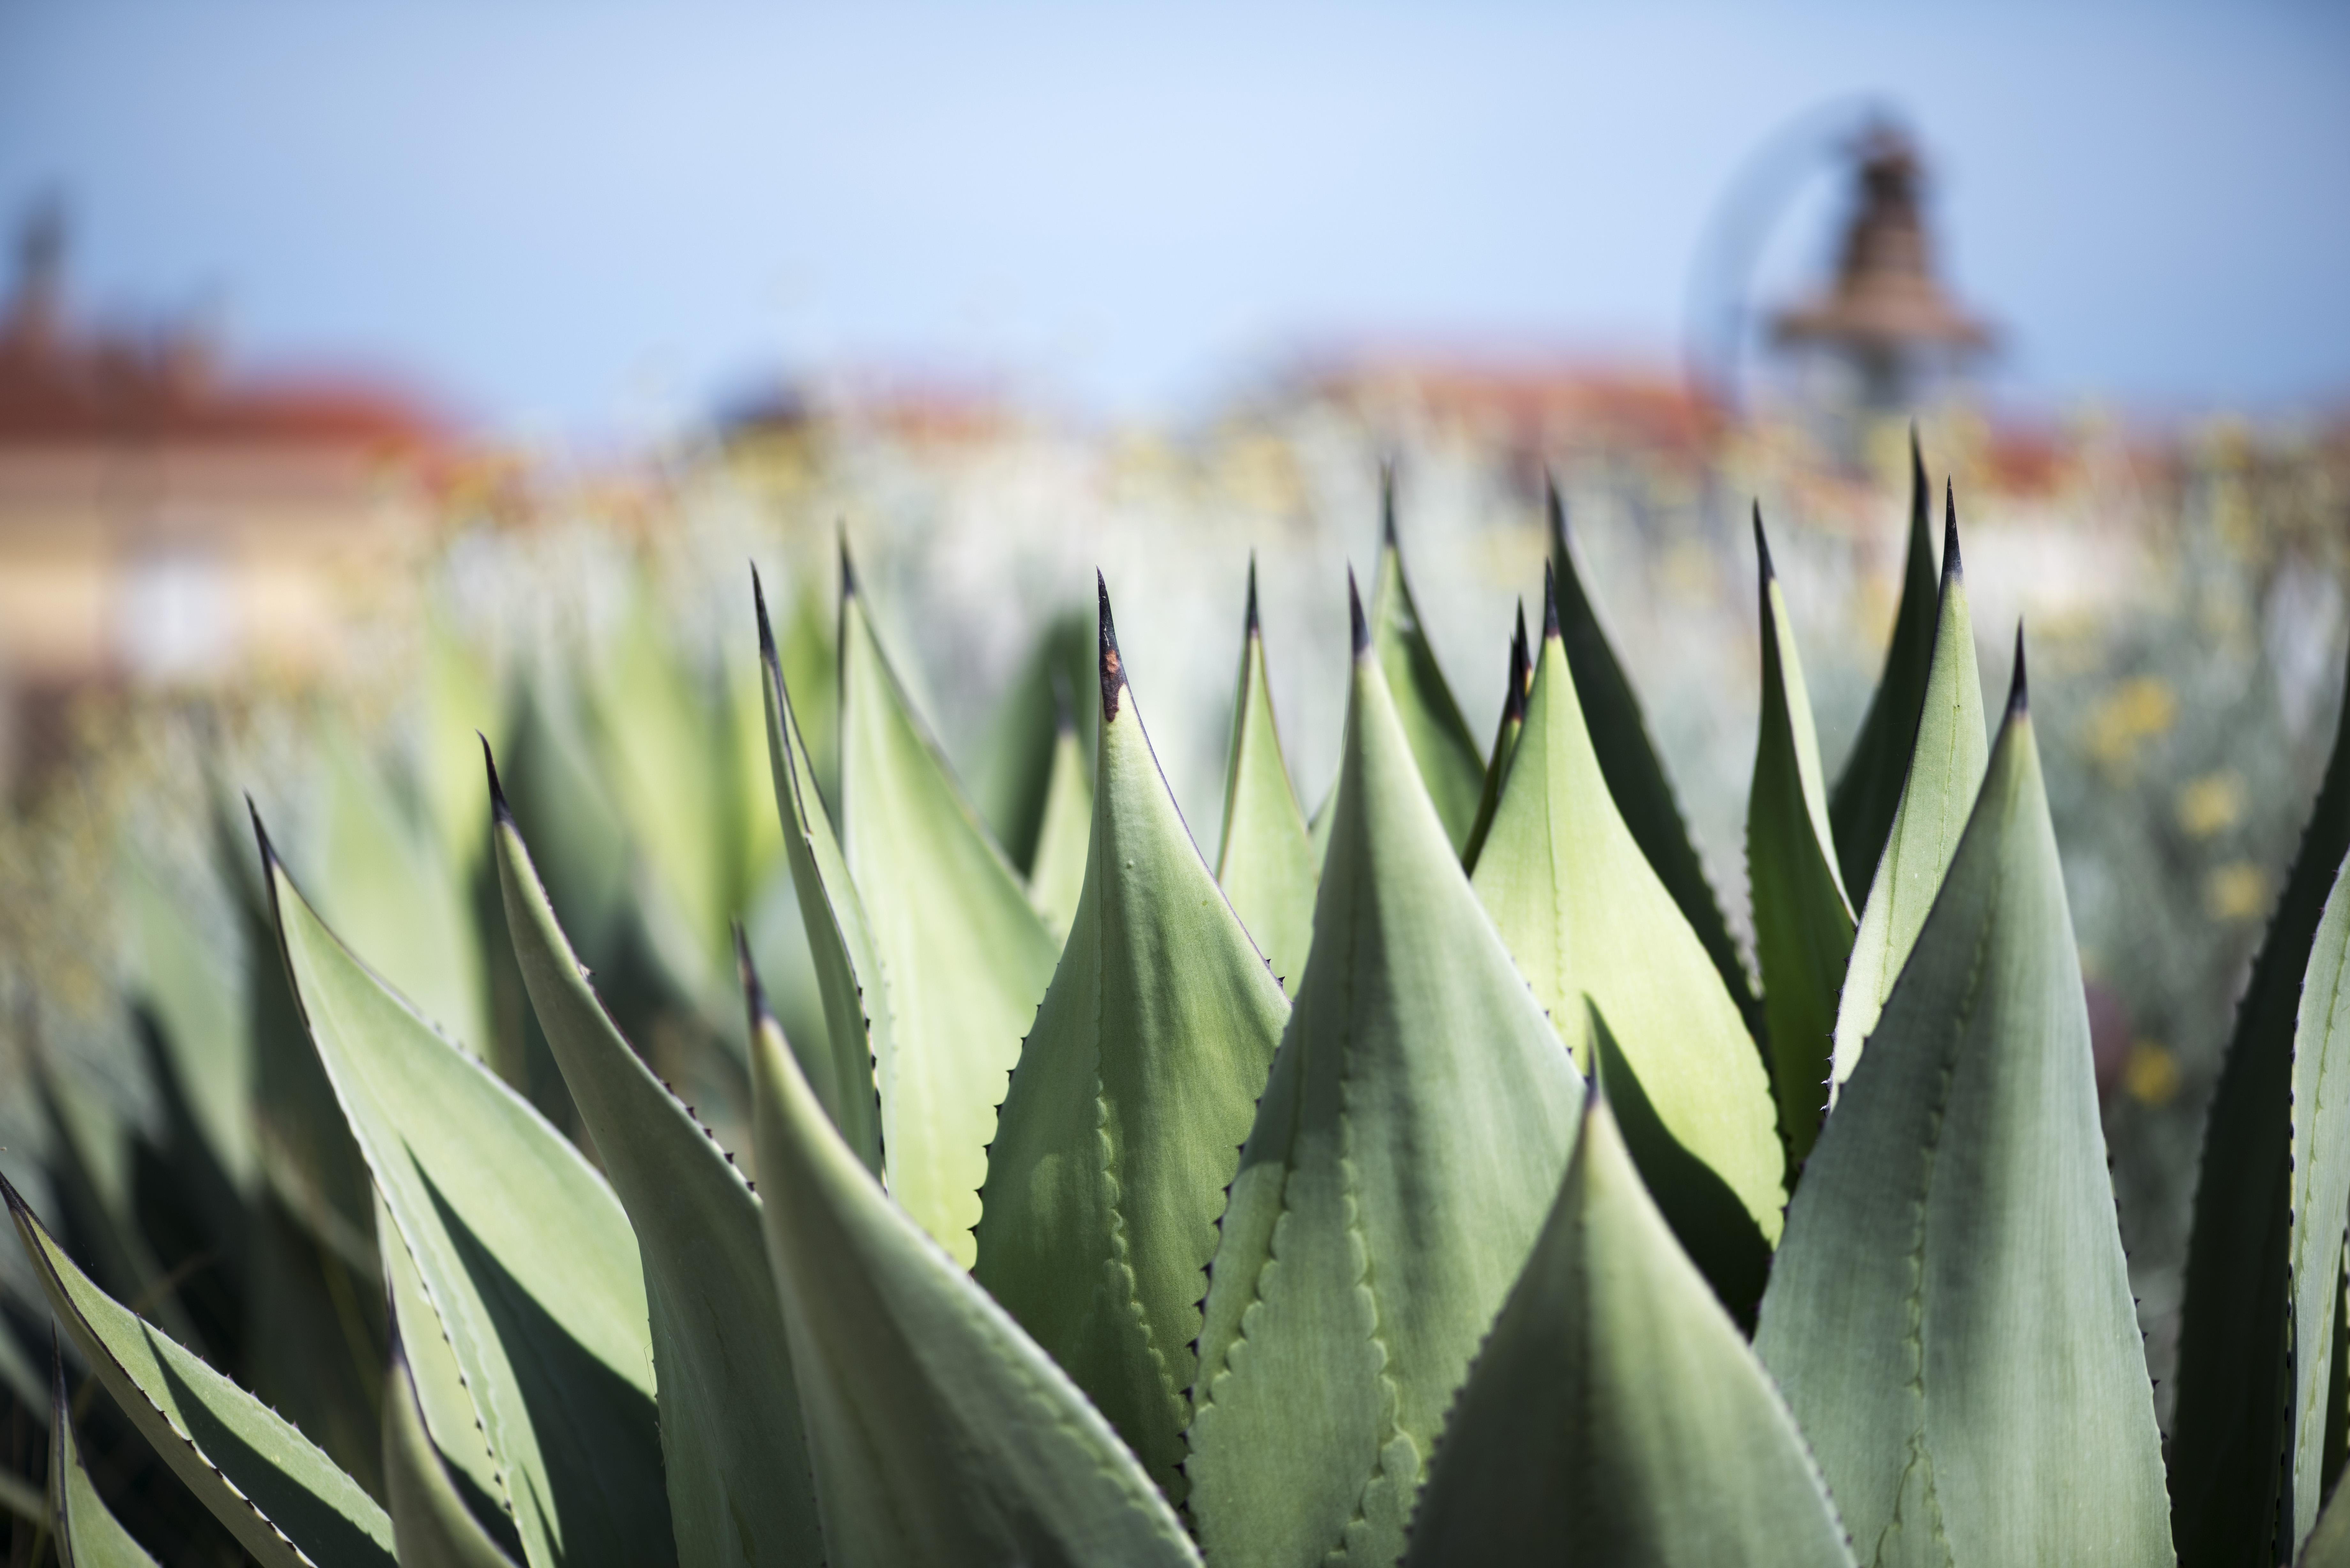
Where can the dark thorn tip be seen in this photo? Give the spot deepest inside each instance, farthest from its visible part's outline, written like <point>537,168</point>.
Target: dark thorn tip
<point>1388,501</point>
<point>269,861</point>
<point>1550,602</point>
<point>500,811</point>
<point>1951,566</point>
<point>2019,691</point>
<point>1113,668</point>
<point>1520,635</point>
<point>1514,700</point>
<point>849,590</point>
<point>767,629</point>
<point>755,995</point>
<point>1762,545</point>
<point>1360,627</point>
<point>1249,628</point>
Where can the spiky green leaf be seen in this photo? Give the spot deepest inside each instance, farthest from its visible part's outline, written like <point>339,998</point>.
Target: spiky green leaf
<point>2321,1204</point>
<point>1869,790</point>
<point>1945,771</point>
<point>1011,771</point>
<point>1615,1406</point>
<point>939,1433</point>
<point>1949,1315</point>
<point>1449,763</point>
<point>1266,863</point>
<point>1803,916</point>
<point>963,957</point>
<point>840,944</point>
<point>1056,879</point>
<point>2228,1432</point>
<point>284,1500</point>
<point>1409,1143</point>
<point>730,1429</point>
<point>87,1533</point>
<point>1636,775</point>
<point>1126,1114</point>
<point>413,1325</point>
<point>430,1520</point>
<point>1583,914</point>
<point>521,1246</point>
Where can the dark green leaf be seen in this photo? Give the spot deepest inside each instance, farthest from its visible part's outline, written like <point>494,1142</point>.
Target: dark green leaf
<point>88,1535</point>
<point>1949,1315</point>
<point>1449,764</point>
<point>1409,1141</point>
<point>1133,1095</point>
<point>1056,879</point>
<point>1505,740</point>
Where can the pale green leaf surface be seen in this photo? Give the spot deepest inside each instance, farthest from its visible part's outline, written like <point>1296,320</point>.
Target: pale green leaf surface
<point>1013,759</point>
<point>1057,880</point>
<point>1267,862</point>
<point>1869,790</point>
<point>430,1520</point>
<point>447,1410</point>
<point>2228,1434</point>
<point>1616,1415</point>
<point>1949,1315</point>
<point>840,944</point>
<point>1409,1141</point>
<point>391,884</point>
<point>737,1467</point>
<point>1317,830</point>
<point>1802,917</point>
<point>1449,763</point>
<point>940,1434</point>
<point>963,957</point>
<point>88,1535</point>
<point>524,1251</point>
<point>1635,774</point>
<point>283,1499</point>
<point>1126,1115</point>
<point>2320,1201</point>
<point>1585,914</point>
<point>1945,771</point>
<point>460,700</point>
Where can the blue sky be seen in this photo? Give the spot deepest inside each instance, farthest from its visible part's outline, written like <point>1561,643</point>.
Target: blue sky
<point>587,217</point>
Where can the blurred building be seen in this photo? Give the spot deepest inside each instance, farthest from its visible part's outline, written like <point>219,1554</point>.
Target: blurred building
<point>162,520</point>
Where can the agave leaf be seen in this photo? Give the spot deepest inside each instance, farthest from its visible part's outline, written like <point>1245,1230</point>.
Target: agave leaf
<point>88,1535</point>
<point>1617,1407</point>
<point>1013,779</point>
<point>283,1499</point>
<point>1949,1315</point>
<point>840,944</point>
<point>1636,775</point>
<point>1441,744</point>
<point>430,1520</point>
<point>1945,771</point>
<point>92,1170</point>
<point>730,1429</point>
<point>1127,1111</point>
<point>183,975</point>
<point>521,1246</point>
<point>391,886</point>
<point>1409,1141</point>
<point>2320,1201</point>
<point>1267,863</point>
<point>1802,917</point>
<point>1505,740</point>
<point>1058,878</point>
<point>963,954</point>
<point>939,1433</point>
<point>2228,1432</point>
<point>2329,1544</point>
<point>1583,914</point>
<point>1317,829</point>
<point>1868,791</point>
<point>416,1334</point>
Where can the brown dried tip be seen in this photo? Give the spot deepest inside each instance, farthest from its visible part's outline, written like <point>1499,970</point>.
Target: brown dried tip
<point>1361,627</point>
<point>1952,570</point>
<point>1550,602</point>
<point>2019,689</point>
<point>766,632</point>
<point>1112,672</point>
<point>1762,545</point>
<point>499,813</point>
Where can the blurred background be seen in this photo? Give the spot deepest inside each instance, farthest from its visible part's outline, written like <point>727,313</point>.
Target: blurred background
<point>371,375</point>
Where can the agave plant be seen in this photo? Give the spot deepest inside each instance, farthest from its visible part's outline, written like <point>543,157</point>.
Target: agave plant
<point>1428,1181</point>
